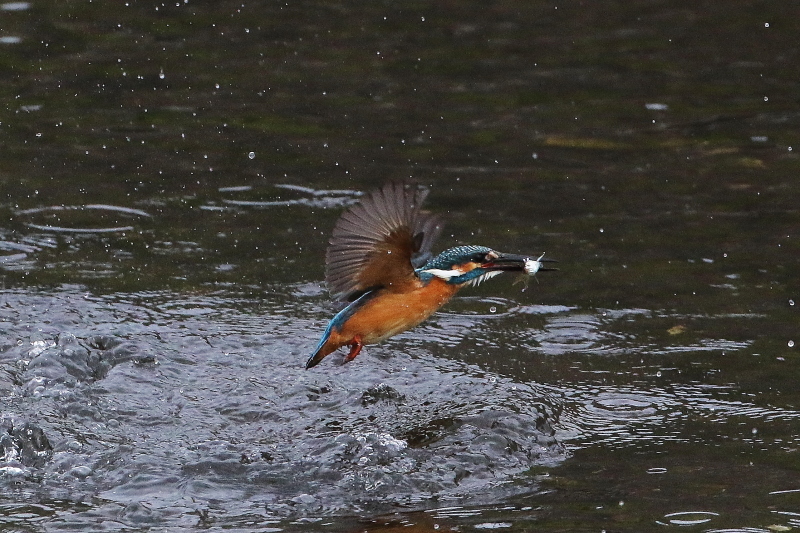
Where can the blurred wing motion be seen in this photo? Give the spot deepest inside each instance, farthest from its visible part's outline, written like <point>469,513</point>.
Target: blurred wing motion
<point>378,242</point>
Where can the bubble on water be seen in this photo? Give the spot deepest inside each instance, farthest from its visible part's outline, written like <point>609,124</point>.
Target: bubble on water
<point>161,74</point>
<point>251,155</point>
<point>791,302</point>
<point>791,344</point>
<point>492,309</point>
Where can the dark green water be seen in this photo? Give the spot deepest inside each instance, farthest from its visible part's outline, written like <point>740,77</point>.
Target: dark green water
<point>169,176</point>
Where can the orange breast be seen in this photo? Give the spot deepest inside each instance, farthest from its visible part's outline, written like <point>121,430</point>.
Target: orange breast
<point>391,313</point>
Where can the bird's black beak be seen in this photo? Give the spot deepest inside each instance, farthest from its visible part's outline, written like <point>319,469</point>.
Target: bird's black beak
<point>518,263</point>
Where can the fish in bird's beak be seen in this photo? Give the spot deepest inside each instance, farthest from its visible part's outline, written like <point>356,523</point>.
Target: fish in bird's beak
<point>516,263</point>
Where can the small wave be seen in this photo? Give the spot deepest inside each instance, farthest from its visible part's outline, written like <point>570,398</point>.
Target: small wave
<point>84,220</point>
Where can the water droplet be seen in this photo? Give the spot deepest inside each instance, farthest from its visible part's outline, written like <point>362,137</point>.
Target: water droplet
<point>251,155</point>
<point>161,74</point>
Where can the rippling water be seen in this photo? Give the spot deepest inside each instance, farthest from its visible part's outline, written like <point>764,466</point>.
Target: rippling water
<point>178,404</point>
<point>184,406</point>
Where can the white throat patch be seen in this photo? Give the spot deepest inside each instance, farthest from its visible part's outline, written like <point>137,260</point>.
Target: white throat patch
<point>443,274</point>
<point>483,277</point>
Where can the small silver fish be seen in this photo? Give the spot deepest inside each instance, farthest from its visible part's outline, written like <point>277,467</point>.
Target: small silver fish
<point>532,266</point>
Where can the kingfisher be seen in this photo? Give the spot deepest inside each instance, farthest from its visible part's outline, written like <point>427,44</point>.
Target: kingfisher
<point>380,266</point>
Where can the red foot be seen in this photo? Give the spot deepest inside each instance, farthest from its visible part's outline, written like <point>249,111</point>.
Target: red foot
<point>355,348</point>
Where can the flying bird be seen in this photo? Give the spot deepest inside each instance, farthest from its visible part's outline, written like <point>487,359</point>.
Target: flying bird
<point>379,263</point>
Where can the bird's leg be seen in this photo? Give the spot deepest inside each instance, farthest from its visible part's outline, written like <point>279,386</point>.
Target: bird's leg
<point>355,348</point>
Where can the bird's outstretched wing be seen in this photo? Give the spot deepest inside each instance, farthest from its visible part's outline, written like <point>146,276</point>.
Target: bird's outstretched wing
<point>379,241</point>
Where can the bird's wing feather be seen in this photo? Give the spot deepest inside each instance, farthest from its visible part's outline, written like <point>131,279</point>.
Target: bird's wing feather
<point>379,241</point>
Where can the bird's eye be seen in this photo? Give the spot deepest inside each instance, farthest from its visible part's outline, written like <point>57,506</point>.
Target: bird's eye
<point>489,257</point>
